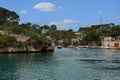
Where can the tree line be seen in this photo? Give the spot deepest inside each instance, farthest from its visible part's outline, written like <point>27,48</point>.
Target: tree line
<point>96,33</point>
<point>9,23</point>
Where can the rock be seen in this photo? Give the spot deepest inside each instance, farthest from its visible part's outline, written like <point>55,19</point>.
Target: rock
<point>26,49</point>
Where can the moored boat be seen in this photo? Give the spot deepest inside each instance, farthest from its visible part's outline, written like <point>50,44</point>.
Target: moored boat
<point>59,46</point>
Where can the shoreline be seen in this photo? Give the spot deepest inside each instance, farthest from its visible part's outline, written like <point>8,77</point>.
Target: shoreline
<point>7,50</point>
<point>97,47</point>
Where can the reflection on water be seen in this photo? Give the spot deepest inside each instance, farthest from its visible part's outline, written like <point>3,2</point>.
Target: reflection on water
<point>63,64</point>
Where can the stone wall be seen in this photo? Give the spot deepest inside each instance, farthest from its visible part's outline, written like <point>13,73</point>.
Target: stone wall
<point>111,44</point>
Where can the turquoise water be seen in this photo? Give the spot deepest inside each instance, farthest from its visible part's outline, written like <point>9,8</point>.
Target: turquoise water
<point>63,64</point>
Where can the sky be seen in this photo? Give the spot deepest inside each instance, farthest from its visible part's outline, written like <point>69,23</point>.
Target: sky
<point>66,14</point>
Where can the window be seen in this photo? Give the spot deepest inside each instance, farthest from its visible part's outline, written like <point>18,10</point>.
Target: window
<point>116,45</point>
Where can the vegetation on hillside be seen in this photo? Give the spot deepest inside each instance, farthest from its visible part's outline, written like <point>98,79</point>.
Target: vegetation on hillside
<point>9,24</point>
<point>96,33</point>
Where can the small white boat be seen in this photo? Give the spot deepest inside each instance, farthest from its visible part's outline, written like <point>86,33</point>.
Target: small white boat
<point>59,46</point>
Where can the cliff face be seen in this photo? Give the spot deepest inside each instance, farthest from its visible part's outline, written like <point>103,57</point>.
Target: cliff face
<point>26,45</point>
<point>20,38</point>
<point>26,49</point>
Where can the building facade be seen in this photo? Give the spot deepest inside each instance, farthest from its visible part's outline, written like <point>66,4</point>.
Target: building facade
<point>109,42</point>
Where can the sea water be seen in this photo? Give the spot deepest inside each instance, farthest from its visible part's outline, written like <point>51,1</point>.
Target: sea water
<point>62,64</point>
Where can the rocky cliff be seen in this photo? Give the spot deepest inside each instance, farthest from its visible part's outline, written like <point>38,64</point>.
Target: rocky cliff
<point>26,45</point>
<point>26,49</point>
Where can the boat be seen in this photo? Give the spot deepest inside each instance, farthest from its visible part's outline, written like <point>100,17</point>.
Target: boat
<point>59,46</point>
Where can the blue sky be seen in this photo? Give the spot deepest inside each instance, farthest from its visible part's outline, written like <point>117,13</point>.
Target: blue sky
<point>66,14</point>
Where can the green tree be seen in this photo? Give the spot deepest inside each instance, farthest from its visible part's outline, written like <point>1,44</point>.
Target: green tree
<point>7,16</point>
<point>6,40</point>
<point>15,29</point>
<point>115,31</point>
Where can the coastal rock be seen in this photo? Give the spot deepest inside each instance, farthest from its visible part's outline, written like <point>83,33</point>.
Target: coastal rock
<point>26,49</point>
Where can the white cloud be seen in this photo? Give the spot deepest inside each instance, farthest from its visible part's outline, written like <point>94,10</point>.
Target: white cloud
<point>23,12</point>
<point>60,7</point>
<point>66,24</point>
<point>45,6</point>
<point>56,23</point>
<point>60,25</point>
<point>114,18</point>
<point>69,21</point>
<point>100,12</point>
<point>117,17</point>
